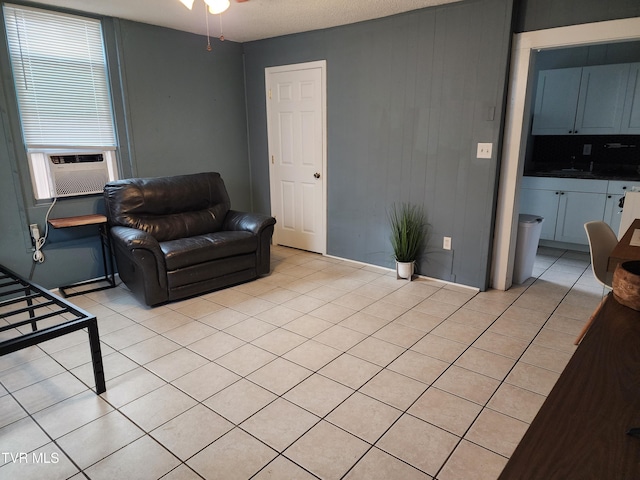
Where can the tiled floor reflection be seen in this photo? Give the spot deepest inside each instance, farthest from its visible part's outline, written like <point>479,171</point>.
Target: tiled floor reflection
<point>323,369</point>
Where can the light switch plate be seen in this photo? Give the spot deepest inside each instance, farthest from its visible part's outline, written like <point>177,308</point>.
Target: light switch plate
<point>484,150</point>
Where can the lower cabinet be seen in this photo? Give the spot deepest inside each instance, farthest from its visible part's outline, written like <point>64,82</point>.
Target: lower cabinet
<point>613,211</point>
<point>615,194</point>
<point>565,204</point>
<point>574,210</point>
<point>543,203</point>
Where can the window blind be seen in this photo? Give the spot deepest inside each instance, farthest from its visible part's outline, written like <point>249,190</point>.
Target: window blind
<point>60,74</point>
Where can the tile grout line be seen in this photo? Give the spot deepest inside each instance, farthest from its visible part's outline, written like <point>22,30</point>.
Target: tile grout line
<point>510,370</point>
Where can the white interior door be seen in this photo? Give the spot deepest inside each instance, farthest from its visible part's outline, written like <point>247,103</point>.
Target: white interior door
<point>297,155</point>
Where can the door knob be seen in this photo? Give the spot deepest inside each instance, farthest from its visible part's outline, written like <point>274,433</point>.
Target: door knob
<point>316,175</point>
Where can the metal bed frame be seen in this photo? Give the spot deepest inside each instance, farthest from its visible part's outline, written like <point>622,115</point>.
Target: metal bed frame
<point>19,296</point>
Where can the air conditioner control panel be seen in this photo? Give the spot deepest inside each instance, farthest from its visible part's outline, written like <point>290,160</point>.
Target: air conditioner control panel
<point>80,158</point>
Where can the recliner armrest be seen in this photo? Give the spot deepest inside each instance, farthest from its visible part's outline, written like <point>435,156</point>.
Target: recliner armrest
<point>141,264</point>
<point>251,222</point>
<point>131,238</point>
<point>260,225</point>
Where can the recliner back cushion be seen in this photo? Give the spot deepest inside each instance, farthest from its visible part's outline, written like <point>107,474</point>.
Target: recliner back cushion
<point>169,208</point>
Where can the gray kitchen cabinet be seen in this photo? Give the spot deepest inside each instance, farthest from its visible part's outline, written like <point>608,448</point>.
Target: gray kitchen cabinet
<point>613,211</point>
<point>556,101</point>
<point>602,98</point>
<point>631,113</point>
<point>615,193</point>
<point>544,203</point>
<point>583,101</point>
<point>566,205</point>
<point>574,210</point>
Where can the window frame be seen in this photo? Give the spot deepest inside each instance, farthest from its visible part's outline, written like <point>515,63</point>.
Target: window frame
<point>35,149</point>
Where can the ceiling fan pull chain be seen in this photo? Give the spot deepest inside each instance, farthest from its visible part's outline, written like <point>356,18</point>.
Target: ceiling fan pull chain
<point>206,16</point>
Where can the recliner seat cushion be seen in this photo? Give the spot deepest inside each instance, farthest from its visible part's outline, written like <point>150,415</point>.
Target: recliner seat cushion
<point>185,252</point>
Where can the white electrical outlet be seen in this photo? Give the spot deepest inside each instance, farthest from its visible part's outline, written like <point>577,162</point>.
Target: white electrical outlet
<point>35,232</point>
<point>446,243</point>
<point>484,150</point>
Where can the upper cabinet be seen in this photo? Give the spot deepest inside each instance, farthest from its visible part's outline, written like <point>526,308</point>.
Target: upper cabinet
<point>602,96</point>
<point>556,101</point>
<point>631,114</point>
<point>583,101</point>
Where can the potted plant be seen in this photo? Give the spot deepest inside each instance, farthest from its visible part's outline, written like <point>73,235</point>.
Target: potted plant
<point>408,233</point>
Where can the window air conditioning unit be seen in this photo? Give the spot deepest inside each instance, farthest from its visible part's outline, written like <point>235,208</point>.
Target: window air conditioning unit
<point>69,174</point>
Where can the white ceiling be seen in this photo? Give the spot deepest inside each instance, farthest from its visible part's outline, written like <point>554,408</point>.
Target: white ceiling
<point>250,20</point>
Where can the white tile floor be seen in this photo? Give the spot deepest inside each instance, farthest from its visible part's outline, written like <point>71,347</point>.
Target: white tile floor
<point>323,369</point>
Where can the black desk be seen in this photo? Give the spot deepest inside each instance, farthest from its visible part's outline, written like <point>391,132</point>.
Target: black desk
<point>580,431</point>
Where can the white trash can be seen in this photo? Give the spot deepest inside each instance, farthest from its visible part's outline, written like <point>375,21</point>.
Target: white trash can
<point>529,229</point>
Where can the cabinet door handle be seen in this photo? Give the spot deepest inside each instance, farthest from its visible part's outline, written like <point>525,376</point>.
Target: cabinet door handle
<point>557,193</point>
<point>561,193</point>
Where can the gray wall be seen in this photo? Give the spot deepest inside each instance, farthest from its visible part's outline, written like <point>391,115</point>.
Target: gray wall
<point>186,106</point>
<point>180,109</point>
<point>409,97</point>
<point>605,54</point>
<point>541,14</point>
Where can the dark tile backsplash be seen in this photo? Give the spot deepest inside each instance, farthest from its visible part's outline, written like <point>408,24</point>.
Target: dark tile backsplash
<point>609,153</point>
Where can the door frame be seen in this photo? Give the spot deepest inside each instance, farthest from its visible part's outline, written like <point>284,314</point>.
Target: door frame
<point>322,64</point>
<point>518,121</point>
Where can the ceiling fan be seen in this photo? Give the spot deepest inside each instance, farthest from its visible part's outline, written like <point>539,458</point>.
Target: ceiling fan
<point>215,6</point>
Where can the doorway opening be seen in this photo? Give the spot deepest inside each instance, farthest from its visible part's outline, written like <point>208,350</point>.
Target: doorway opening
<point>518,123</point>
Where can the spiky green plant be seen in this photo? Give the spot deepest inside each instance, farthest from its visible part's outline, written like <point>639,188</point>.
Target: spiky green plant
<point>408,231</point>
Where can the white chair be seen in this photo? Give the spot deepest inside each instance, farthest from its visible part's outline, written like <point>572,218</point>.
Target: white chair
<point>602,241</point>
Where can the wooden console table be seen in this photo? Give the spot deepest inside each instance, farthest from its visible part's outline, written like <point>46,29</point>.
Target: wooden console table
<point>19,297</point>
<point>581,430</point>
<point>105,244</point>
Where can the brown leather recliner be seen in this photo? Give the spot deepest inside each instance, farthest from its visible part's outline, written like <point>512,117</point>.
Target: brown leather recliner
<point>175,237</point>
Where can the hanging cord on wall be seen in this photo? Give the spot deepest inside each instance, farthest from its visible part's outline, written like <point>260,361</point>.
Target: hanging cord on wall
<point>38,256</point>
<point>221,35</point>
